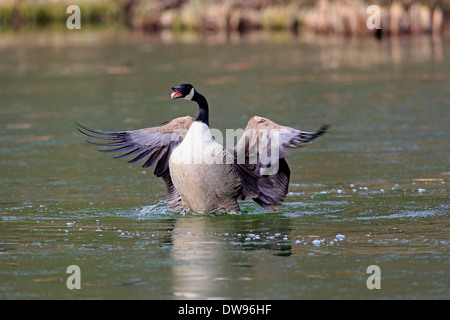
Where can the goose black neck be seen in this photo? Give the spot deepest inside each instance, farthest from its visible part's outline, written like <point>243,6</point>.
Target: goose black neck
<point>203,110</point>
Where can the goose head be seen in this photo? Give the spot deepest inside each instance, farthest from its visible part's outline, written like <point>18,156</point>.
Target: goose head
<point>187,91</point>
<point>184,90</point>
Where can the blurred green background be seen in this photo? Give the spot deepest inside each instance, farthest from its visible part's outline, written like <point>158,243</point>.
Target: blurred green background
<point>322,16</point>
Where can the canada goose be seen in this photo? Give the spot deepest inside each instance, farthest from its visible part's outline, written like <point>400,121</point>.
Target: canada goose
<point>201,174</point>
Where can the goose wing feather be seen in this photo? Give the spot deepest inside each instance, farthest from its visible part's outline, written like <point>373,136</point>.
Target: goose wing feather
<point>154,145</point>
<point>253,158</point>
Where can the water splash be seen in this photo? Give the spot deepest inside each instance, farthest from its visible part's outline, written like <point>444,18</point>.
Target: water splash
<point>160,209</point>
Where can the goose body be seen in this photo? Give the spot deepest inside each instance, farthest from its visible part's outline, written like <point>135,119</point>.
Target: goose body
<point>200,173</point>
<point>204,185</point>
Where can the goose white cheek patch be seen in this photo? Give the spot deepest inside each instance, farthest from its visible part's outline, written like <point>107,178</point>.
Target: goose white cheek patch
<point>190,95</point>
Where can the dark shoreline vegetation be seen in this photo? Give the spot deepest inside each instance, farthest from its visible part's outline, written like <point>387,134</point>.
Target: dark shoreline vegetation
<point>347,17</point>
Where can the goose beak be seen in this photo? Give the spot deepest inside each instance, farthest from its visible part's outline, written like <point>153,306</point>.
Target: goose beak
<point>176,94</point>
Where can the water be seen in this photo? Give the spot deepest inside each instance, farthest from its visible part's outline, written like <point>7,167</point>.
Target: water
<point>374,191</point>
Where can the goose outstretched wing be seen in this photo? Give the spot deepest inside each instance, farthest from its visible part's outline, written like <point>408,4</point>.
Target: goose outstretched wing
<point>260,159</point>
<point>154,145</point>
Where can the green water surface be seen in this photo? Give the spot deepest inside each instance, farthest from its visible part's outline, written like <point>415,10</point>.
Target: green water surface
<point>374,191</point>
